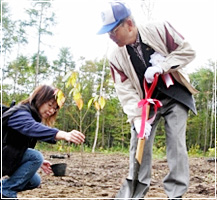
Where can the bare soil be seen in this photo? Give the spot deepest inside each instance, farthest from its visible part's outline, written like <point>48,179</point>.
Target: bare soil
<point>96,175</point>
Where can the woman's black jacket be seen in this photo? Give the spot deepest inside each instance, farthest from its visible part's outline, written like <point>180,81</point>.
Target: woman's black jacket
<point>14,144</point>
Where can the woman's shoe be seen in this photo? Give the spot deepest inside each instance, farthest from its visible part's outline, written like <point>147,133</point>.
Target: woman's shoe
<point>4,197</point>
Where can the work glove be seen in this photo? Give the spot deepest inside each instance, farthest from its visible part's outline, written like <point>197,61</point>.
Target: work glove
<point>137,125</point>
<point>151,71</point>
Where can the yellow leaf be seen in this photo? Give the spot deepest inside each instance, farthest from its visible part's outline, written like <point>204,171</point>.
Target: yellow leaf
<point>60,94</point>
<point>73,78</point>
<point>102,102</point>
<point>96,104</point>
<point>79,103</point>
<point>90,102</point>
<point>60,98</point>
<point>76,96</point>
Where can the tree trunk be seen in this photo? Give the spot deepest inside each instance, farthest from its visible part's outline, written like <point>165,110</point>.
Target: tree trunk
<point>38,53</point>
<point>98,111</point>
<point>122,130</point>
<point>96,132</point>
<point>103,131</point>
<point>206,126</point>
<point>212,112</point>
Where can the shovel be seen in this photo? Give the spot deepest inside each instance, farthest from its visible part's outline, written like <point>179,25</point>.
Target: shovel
<point>133,188</point>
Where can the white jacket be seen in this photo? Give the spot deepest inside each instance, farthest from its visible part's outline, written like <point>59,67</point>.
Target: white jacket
<point>164,39</point>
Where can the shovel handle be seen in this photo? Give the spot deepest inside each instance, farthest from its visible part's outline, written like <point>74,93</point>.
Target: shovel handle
<point>141,142</point>
<point>148,93</point>
<point>139,150</point>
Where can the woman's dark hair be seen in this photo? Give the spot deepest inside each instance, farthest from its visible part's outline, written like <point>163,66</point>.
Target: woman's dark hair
<point>42,94</point>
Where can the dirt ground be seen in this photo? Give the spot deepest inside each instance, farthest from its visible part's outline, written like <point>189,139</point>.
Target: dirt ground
<point>95,175</point>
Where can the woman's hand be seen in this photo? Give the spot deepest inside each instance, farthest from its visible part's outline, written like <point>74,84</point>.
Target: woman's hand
<point>73,136</point>
<point>46,167</point>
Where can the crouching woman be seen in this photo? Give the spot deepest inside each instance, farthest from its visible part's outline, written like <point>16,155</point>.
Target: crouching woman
<point>24,124</point>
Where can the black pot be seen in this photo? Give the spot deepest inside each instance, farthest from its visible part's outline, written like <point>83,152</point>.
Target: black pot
<point>59,169</point>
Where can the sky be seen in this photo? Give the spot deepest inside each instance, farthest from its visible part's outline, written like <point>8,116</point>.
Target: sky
<point>79,20</point>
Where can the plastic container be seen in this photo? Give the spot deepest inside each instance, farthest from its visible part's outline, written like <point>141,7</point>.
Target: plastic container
<point>59,169</point>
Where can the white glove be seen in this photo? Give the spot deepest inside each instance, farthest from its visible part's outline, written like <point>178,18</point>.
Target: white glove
<point>156,58</point>
<point>151,71</point>
<point>137,125</point>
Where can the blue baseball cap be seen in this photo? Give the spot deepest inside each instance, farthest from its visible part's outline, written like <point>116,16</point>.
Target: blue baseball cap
<point>113,15</point>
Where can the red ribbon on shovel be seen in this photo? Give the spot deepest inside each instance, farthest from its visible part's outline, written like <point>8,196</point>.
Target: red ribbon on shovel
<point>144,103</point>
<point>145,113</point>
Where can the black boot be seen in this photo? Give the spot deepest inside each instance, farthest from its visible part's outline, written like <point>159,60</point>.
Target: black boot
<point>178,198</point>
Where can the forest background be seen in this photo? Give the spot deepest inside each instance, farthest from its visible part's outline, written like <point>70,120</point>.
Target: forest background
<point>91,103</point>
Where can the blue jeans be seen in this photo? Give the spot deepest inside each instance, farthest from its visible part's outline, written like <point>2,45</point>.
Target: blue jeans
<point>26,176</point>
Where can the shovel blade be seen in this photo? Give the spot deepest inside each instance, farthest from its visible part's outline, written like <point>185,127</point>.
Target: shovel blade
<point>126,191</point>
<point>133,188</point>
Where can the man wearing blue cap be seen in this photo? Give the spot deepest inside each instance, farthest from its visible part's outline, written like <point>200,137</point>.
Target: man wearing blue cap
<point>143,51</point>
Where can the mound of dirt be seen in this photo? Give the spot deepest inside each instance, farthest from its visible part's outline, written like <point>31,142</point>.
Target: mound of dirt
<point>96,175</point>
